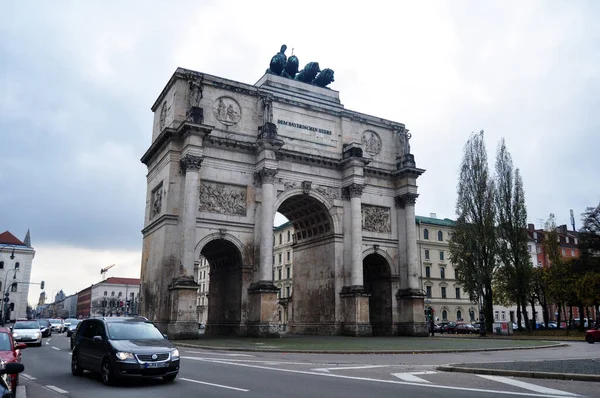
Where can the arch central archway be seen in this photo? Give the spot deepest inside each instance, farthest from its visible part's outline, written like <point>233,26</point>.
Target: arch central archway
<point>225,287</point>
<point>377,279</point>
<point>313,298</point>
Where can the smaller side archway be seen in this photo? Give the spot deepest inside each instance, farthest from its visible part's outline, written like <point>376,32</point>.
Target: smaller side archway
<point>377,279</point>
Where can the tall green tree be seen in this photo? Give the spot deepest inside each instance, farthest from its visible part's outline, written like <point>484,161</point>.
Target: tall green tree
<point>473,242</point>
<point>511,216</point>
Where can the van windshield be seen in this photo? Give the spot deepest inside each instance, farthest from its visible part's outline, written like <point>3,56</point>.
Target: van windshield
<point>133,331</point>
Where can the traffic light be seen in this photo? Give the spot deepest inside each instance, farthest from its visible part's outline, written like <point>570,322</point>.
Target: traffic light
<point>42,285</point>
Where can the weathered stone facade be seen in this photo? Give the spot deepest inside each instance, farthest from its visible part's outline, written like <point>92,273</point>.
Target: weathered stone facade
<point>225,157</point>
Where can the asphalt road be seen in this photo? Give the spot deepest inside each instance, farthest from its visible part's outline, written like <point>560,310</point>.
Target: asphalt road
<point>207,373</point>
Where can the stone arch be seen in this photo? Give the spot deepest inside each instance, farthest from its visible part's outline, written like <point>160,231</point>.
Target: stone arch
<point>377,279</point>
<point>383,253</point>
<point>331,209</point>
<point>247,258</point>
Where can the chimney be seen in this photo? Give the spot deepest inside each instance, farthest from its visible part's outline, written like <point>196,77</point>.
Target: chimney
<point>531,227</point>
<point>432,215</point>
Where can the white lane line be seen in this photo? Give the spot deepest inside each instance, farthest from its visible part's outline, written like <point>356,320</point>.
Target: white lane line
<point>28,377</point>
<point>56,348</point>
<point>214,385</point>
<point>528,386</point>
<point>350,368</point>
<point>411,376</point>
<point>253,361</point>
<point>218,353</point>
<point>405,383</point>
<point>47,342</point>
<point>58,390</point>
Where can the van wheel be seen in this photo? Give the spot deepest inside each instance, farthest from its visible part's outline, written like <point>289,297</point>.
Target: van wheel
<point>75,368</point>
<point>108,377</point>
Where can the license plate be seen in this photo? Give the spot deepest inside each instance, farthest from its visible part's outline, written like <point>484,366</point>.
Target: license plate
<point>156,365</point>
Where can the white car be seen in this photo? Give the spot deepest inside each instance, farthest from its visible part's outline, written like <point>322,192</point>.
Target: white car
<point>27,332</point>
<point>57,325</point>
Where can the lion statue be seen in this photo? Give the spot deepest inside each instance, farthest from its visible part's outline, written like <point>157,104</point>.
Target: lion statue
<point>291,67</point>
<point>278,62</point>
<point>309,72</point>
<point>323,78</point>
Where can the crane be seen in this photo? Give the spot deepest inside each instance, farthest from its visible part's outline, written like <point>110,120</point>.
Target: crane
<point>103,271</point>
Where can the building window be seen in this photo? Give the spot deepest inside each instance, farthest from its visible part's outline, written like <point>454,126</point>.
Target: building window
<point>132,295</point>
<point>13,287</point>
<point>112,294</point>
<point>289,256</point>
<point>440,236</point>
<point>425,233</point>
<point>273,259</point>
<point>472,315</point>
<point>564,252</point>
<point>105,293</point>
<point>426,254</point>
<point>1,264</point>
<point>444,315</point>
<point>443,273</point>
<point>458,292</point>
<point>279,273</point>
<point>287,291</point>
<point>441,255</point>
<point>289,236</point>
<point>280,238</point>
<point>120,294</point>
<point>280,257</point>
<point>459,315</point>
<point>497,315</point>
<point>572,253</point>
<point>529,248</point>
<point>503,315</point>
<point>428,289</point>
<point>538,249</point>
<point>428,272</point>
<point>443,292</point>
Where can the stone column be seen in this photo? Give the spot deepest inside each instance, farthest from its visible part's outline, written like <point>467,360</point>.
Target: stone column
<point>267,177</point>
<point>411,315</point>
<point>355,193</point>
<point>191,165</point>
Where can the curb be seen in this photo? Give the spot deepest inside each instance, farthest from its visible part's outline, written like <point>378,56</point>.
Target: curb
<point>441,351</point>
<point>521,373</point>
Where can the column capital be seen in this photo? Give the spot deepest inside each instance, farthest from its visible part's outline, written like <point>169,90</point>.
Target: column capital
<point>191,162</point>
<point>406,199</point>
<point>266,176</point>
<point>353,190</point>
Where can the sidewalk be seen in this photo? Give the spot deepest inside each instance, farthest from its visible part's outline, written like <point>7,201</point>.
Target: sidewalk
<point>361,345</point>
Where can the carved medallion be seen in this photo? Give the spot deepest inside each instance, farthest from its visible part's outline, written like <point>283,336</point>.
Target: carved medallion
<point>222,199</point>
<point>376,219</point>
<point>227,111</point>
<point>371,143</point>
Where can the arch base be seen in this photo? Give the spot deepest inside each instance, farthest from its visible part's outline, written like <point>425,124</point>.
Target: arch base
<point>411,313</point>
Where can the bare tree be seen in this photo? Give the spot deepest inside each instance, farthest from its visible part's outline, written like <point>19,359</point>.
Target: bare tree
<point>473,245</point>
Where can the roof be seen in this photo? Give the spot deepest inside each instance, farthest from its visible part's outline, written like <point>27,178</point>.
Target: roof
<point>446,222</point>
<point>282,226</point>
<point>9,239</point>
<point>122,281</point>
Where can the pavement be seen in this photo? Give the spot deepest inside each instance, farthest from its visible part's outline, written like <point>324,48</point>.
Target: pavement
<point>585,369</point>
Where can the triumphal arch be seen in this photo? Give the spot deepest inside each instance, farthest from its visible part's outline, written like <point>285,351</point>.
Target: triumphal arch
<point>226,156</point>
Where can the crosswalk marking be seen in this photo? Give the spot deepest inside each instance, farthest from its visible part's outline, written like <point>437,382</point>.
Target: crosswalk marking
<point>528,386</point>
<point>411,376</point>
<point>28,377</point>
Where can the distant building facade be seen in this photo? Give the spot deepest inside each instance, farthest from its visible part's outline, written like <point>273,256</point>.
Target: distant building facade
<point>203,277</point>
<point>115,297</point>
<point>283,239</point>
<point>16,261</point>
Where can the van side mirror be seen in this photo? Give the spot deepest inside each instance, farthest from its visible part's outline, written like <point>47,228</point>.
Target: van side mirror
<point>98,338</point>
<point>165,335</point>
<point>12,368</point>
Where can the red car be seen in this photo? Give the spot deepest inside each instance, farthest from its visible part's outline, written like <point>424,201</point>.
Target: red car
<point>593,335</point>
<point>10,352</point>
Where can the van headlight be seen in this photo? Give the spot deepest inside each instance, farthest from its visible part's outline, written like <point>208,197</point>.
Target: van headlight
<point>124,356</point>
<point>175,353</point>
<point>15,334</point>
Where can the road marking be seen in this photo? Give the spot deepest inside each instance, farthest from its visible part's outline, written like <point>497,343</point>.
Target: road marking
<point>56,348</point>
<point>411,376</point>
<point>21,392</point>
<point>528,386</point>
<point>58,390</point>
<point>218,353</point>
<point>47,342</point>
<point>214,385</point>
<point>28,377</point>
<point>350,368</point>
<point>405,383</point>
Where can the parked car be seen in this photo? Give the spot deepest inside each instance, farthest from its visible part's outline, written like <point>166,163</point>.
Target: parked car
<point>448,327</point>
<point>10,352</point>
<point>123,347</point>
<point>465,328</point>
<point>7,372</point>
<point>72,326</point>
<point>593,335</point>
<point>45,327</point>
<point>27,332</point>
<point>58,325</point>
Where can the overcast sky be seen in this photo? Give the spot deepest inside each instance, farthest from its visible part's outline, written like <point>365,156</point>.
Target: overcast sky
<point>77,80</point>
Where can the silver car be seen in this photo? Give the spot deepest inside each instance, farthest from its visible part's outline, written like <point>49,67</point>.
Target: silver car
<point>27,332</point>
<point>57,325</point>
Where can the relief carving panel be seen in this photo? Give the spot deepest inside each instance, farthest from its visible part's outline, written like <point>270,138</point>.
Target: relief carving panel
<point>222,199</point>
<point>376,219</point>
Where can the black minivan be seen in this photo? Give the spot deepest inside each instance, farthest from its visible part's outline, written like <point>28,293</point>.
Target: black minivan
<point>122,347</point>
